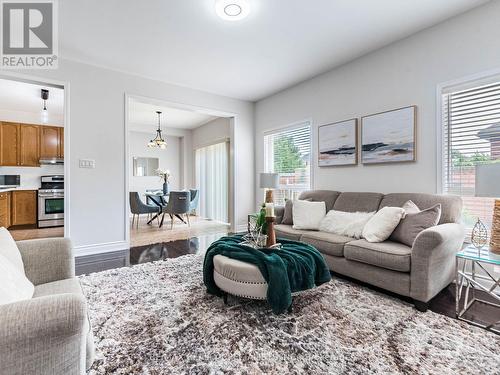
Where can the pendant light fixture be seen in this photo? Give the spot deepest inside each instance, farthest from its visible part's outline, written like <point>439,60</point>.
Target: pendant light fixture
<point>45,114</point>
<point>158,141</point>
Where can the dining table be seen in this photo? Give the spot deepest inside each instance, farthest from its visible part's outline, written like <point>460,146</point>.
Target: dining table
<point>159,198</point>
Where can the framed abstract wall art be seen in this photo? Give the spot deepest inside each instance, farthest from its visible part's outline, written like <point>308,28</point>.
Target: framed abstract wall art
<point>389,137</point>
<point>338,143</point>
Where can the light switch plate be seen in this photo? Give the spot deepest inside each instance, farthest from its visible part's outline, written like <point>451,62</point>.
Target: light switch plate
<point>86,163</point>
<point>496,269</point>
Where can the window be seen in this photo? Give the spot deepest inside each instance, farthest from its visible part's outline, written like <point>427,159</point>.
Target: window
<point>471,138</point>
<point>288,153</point>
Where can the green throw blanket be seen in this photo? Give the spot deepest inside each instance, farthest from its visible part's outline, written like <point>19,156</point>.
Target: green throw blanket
<point>296,266</point>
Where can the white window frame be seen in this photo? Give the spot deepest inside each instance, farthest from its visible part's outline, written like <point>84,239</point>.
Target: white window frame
<point>292,126</point>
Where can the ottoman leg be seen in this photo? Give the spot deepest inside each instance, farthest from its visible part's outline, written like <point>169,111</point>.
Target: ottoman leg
<point>224,297</point>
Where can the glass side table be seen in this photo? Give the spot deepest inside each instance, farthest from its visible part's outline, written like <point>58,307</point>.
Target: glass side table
<point>468,280</point>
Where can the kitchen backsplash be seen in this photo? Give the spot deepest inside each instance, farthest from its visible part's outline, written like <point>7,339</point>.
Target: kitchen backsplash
<point>30,177</point>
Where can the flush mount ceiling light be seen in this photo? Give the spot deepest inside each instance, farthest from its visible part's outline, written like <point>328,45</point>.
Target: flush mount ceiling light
<point>158,141</point>
<point>232,10</point>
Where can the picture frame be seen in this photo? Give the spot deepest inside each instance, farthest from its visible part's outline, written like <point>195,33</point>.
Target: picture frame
<point>390,136</point>
<point>338,143</point>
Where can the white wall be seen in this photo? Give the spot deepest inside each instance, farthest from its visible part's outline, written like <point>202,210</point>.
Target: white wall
<point>30,117</point>
<point>169,158</point>
<point>402,74</point>
<point>97,199</point>
<point>211,132</point>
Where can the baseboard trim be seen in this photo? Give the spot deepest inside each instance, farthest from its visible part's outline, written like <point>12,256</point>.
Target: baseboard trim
<point>106,247</point>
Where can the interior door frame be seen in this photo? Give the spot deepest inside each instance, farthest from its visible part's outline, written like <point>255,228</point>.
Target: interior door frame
<point>65,85</point>
<point>233,120</point>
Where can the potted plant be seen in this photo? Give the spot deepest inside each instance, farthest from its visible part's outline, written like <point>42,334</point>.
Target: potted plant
<point>165,177</point>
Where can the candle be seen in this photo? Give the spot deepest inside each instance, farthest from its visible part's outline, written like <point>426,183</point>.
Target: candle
<point>269,210</point>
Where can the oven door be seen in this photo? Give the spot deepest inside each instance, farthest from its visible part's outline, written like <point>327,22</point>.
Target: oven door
<point>50,206</point>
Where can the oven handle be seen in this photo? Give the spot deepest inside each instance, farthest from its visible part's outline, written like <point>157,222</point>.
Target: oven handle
<point>51,195</point>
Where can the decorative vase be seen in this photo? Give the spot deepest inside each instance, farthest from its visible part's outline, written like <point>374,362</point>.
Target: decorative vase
<point>165,188</point>
<point>479,235</point>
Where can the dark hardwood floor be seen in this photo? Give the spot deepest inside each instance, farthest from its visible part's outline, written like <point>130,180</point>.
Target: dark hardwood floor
<point>443,303</point>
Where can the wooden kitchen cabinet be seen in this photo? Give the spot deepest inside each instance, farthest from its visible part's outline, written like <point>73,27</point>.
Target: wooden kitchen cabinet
<point>61,143</point>
<point>23,207</point>
<point>29,145</point>
<point>5,209</point>
<point>51,142</point>
<point>9,144</point>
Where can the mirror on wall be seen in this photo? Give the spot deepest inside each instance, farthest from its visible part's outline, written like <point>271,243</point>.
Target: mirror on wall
<point>145,166</point>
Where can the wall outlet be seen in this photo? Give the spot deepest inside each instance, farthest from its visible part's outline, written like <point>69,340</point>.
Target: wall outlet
<point>86,163</point>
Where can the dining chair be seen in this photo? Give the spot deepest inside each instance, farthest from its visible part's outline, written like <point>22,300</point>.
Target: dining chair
<point>178,205</point>
<point>138,207</point>
<point>195,198</point>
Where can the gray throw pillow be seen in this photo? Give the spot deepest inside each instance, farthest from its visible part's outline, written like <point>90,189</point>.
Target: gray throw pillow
<point>414,223</point>
<point>288,214</point>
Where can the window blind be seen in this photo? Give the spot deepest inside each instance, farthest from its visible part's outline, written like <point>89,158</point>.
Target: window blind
<point>288,153</point>
<point>471,137</point>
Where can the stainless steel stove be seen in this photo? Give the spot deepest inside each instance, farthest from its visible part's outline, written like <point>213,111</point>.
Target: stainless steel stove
<point>51,202</point>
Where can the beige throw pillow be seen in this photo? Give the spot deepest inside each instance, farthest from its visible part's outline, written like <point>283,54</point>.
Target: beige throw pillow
<point>14,286</point>
<point>382,224</point>
<point>415,222</point>
<point>8,249</point>
<point>308,215</point>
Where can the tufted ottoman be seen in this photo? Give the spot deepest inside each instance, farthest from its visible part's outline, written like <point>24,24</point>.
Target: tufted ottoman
<point>239,278</point>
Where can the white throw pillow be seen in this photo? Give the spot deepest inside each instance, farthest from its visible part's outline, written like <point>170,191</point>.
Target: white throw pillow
<point>382,224</point>
<point>14,286</point>
<point>9,250</point>
<point>308,215</point>
<point>348,224</point>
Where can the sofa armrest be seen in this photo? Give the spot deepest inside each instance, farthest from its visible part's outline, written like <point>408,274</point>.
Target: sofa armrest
<point>47,260</point>
<point>433,259</point>
<point>279,211</point>
<point>44,335</point>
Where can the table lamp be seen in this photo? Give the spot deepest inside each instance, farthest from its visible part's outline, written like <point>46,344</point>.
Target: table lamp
<point>488,185</point>
<point>269,181</point>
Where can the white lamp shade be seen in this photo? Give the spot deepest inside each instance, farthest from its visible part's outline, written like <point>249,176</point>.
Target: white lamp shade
<point>488,180</point>
<point>269,180</point>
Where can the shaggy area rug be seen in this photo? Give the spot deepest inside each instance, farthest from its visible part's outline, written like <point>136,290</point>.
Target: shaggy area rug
<point>157,318</point>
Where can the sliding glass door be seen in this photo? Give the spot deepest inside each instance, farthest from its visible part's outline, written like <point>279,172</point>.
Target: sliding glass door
<point>212,181</point>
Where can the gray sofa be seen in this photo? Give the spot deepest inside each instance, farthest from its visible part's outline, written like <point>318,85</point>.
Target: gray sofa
<point>50,333</point>
<point>419,272</point>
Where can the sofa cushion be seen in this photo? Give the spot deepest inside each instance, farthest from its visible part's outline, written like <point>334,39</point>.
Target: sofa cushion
<point>71,285</point>
<point>391,255</point>
<point>451,205</point>
<point>286,231</point>
<point>358,202</point>
<point>327,196</point>
<point>415,222</point>
<point>9,250</point>
<point>327,243</point>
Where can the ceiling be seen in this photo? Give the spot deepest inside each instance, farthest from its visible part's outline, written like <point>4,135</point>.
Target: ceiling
<point>21,98</point>
<point>143,117</point>
<point>281,42</point>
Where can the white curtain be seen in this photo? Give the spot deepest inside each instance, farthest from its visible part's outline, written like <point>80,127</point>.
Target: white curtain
<point>212,171</point>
